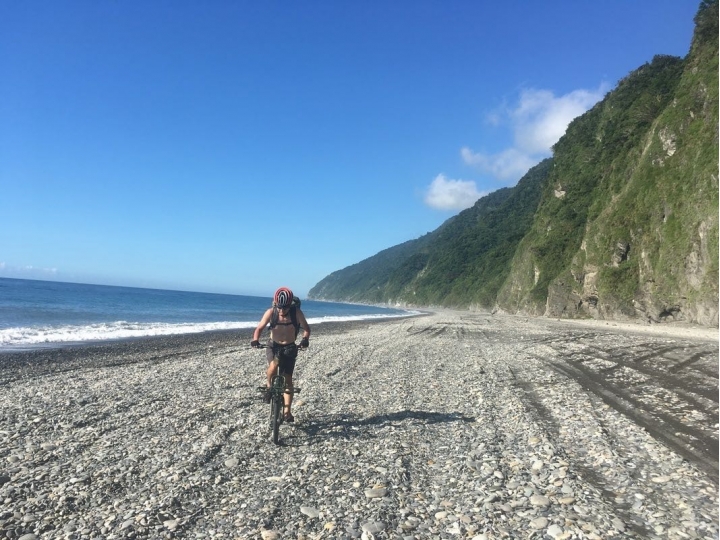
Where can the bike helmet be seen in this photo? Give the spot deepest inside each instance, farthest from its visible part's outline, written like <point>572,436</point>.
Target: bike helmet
<point>283,297</point>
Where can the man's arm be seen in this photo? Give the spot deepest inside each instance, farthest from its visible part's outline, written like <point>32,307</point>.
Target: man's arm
<point>305,326</point>
<point>262,324</point>
<point>303,323</point>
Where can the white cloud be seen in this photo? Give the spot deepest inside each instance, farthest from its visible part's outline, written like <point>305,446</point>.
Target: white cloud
<point>507,165</point>
<point>27,271</point>
<point>541,119</point>
<point>447,194</point>
<point>537,121</point>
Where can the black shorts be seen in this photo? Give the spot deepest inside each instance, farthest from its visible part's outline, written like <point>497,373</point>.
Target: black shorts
<point>286,355</point>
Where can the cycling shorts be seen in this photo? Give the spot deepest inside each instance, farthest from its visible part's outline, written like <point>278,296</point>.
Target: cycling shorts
<point>285,354</point>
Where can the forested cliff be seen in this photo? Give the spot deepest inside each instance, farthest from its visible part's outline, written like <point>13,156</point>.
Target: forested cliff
<point>621,223</point>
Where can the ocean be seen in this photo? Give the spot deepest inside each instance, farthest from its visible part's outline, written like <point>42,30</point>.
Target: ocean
<point>41,313</point>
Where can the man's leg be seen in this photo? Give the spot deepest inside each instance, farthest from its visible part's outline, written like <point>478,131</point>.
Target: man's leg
<point>288,394</point>
<point>272,366</point>
<point>287,366</point>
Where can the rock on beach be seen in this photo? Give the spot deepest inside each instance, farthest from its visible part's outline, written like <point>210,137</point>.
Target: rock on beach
<point>445,425</point>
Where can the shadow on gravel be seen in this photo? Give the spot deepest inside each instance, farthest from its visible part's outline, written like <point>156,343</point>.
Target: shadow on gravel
<point>349,426</point>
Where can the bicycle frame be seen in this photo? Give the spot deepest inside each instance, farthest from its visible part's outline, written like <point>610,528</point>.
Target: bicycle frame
<point>277,400</point>
<point>277,403</point>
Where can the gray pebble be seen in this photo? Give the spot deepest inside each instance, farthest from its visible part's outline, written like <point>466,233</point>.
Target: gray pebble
<point>310,511</point>
<point>373,527</point>
<point>539,500</point>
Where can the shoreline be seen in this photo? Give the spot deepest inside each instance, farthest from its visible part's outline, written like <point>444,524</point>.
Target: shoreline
<point>50,358</point>
<point>671,330</point>
<point>54,345</point>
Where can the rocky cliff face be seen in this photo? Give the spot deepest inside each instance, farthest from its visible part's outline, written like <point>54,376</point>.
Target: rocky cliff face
<point>648,247</point>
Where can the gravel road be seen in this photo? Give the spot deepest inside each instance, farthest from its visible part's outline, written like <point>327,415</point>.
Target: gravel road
<point>450,425</point>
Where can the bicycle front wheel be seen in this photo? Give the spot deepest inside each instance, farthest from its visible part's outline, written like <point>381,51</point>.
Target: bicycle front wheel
<point>276,408</point>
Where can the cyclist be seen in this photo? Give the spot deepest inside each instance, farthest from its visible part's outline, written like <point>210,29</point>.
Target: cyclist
<point>285,319</point>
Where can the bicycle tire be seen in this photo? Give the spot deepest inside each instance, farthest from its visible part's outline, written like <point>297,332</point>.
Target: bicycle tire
<point>277,404</point>
<point>276,408</point>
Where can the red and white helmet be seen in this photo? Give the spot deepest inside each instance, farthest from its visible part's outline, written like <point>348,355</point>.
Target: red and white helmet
<point>283,297</point>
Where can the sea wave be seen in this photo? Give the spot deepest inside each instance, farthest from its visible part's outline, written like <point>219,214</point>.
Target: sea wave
<point>45,335</point>
<point>10,337</point>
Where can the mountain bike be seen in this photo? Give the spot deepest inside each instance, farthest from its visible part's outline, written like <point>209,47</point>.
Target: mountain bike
<point>277,392</point>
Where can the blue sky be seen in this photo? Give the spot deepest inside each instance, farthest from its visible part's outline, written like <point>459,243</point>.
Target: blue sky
<point>236,146</point>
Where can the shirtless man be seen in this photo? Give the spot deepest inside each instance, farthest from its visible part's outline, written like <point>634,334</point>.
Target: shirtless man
<point>285,321</point>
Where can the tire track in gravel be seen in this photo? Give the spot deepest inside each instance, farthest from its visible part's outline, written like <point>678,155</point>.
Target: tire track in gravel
<point>665,370</point>
<point>546,418</point>
<point>659,361</point>
<point>577,360</point>
<point>696,446</point>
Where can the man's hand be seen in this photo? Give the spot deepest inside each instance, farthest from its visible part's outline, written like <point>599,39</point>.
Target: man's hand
<point>255,344</point>
<point>304,343</point>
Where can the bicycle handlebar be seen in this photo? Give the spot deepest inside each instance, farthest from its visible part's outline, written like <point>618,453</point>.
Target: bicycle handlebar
<point>264,346</point>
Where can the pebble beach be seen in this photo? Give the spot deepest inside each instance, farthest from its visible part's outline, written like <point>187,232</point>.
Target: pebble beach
<point>451,425</point>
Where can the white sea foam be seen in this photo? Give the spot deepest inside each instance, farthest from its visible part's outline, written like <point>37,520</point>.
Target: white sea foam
<point>106,331</point>
<point>29,336</point>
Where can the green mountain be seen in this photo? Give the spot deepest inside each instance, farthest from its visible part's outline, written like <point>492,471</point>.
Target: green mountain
<point>464,262</point>
<point>622,222</point>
